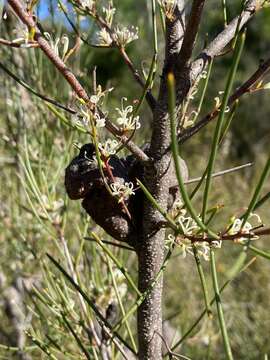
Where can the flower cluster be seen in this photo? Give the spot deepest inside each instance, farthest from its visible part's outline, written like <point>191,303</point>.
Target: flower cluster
<point>186,246</point>
<point>100,94</point>
<point>126,120</point>
<point>123,191</point>
<point>88,4</point>
<point>238,226</point>
<point>108,148</point>
<point>84,115</point>
<point>104,38</point>
<point>188,228</point>
<point>124,35</point>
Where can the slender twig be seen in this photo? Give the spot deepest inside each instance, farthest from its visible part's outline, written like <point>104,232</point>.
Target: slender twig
<point>221,173</point>
<point>234,237</point>
<point>242,90</point>
<point>30,44</point>
<point>219,125</point>
<point>102,24</point>
<point>191,32</point>
<point>112,243</point>
<point>224,37</point>
<point>169,352</point>
<point>221,318</point>
<point>33,91</point>
<point>197,321</point>
<point>29,21</point>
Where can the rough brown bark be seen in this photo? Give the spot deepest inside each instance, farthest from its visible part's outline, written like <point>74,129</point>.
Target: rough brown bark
<point>158,179</point>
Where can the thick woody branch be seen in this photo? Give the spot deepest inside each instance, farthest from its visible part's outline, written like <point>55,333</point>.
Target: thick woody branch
<point>243,89</point>
<point>157,180</point>
<point>190,33</point>
<point>28,20</point>
<point>175,29</point>
<point>224,38</point>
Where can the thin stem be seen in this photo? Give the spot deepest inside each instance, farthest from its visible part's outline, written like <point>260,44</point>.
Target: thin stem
<point>217,134</point>
<point>123,312</point>
<point>184,194</point>
<point>219,307</point>
<point>224,10</point>
<point>203,282</point>
<point>197,321</point>
<point>117,263</point>
<point>257,191</point>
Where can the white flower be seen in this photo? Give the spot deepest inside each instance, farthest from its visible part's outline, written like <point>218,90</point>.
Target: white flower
<point>96,98</point>
<point>169,241</point>
<point>218,103</point>
<point>88,4</point>
<point>100,122</point>
<point>108,148</point>
<point>187,224</point>
<point>65,43</point>
<point>123,191</point>
<point>216,244</point>
<point>82,117</point>
<point>126,120</point>
<point>239,227</point>
<point>104,38</point>
<point>203,249</point>
<point>178,204</point>
<point>124,36</point>
<point>186,247</point>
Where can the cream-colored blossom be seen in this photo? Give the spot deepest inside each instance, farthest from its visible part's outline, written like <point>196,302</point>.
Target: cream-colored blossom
<point>124,35</point>
<point>108,148</point>
<point>126,120</point>
<point>104,38</point>
<point>123,191</point>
